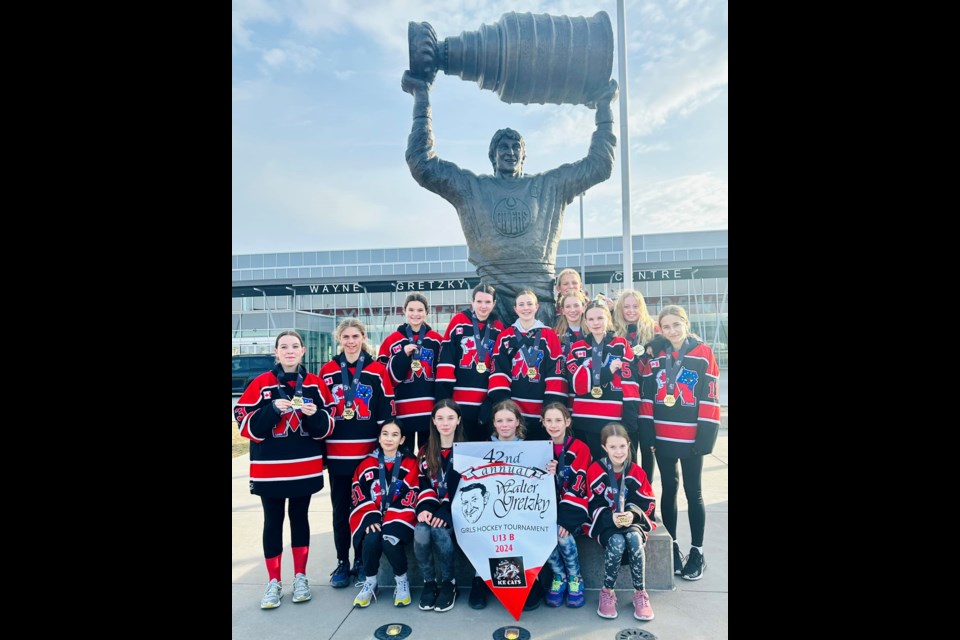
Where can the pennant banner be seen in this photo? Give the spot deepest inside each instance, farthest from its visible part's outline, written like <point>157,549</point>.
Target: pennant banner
<point>505,514</point>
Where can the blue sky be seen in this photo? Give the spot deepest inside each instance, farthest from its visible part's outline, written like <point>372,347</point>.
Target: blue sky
<point>320,122</point>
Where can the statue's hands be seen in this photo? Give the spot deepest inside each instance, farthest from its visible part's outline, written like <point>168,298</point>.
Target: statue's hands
<point>412,84</point>
<point>604,95</point>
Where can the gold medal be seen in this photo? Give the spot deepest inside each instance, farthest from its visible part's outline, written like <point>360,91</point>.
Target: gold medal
<point>481,367</point>
<point>669,401</point>
<point>637,349</point>
<point>415,365</point>
<point>297,402</point>
<point>596,392</point>
<point>531,372</point>
<point>348,413</point>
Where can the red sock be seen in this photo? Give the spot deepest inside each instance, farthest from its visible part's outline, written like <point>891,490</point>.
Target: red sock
<point>300,559</point>
<point>273,567</point>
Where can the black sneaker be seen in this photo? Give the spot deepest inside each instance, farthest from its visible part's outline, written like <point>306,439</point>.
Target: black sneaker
<point>429,596</point>
<point>534,597</point>
<point>695,566</point>
<point>340,577</point>
<point>447,596</point>
<point>357,571</point>
<point>478,593</point>
<point>677,560</point>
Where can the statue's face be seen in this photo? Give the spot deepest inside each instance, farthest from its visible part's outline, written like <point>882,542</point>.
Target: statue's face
<point>509,157</point>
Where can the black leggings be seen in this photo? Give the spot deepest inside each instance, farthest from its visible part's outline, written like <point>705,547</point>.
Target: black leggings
<point>647,461</point>
<point>273,524</point>
<point>340,487</point>
<point>373,546</point>
<point>669,483</point>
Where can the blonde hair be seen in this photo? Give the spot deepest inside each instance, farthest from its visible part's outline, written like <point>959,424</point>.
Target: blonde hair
<point>354,323</point>
<point>680,312</point>
<point>645,330</point>
<point>599,304</point>
<point>562,325</point>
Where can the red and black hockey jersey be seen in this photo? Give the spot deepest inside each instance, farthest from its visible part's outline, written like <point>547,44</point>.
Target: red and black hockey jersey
<point>414,393</point>
<point>286,454</point>
<point>620,391</point>
<point>509,377</point>
<point>571,484</point>
<point>430,499</point>
<point>398,501</point>
<point>457,375</point>
<point>638,499</point>
<point>691,425</point>
<point>353,439</point>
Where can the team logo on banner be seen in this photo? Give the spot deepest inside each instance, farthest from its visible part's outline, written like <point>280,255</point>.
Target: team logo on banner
<point>505,514</point>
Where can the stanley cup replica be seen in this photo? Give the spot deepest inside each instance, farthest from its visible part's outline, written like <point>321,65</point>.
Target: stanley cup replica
<point>512,221</point>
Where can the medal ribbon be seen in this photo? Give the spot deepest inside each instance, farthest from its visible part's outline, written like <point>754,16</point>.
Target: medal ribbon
<point>278,371</point>
<point>530,356</point>
<point>561,478</point>
<point>393,489</point>
<point>419,340</point>
<point>622,490</point>
<point>673,368</point>
<point>350,388</point>
<point>633,335</point>
<point>441,480</point>
<point>481,342</point>
<point>597,357</point>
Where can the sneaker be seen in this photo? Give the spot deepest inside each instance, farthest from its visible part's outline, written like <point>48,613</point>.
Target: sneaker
<point>273,595</point>
<point>301,588</point>
<point>695,566</point>
<point>340,577</point>
<point>608,604</point>
<point>478,593</point>
<point>357,570</point>
<point>447,596</point>
<point>428,599</point>
<point>677,560</point>
<point>558,588</point>
<point>641,605</point>
<point>534,596</point>
<point>575,597</point>
<point>369,591</point>
<point>401,595</point>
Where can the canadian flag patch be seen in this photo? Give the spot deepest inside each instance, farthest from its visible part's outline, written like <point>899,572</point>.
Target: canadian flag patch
<point>396,348</point>
<point>654,364</point>
<point>459,330</point>
<point>368,475</point>
<point>266,395</point>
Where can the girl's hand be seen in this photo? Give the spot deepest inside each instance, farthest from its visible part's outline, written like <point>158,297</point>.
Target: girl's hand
<point>373,527</point>
<point>309,409</point>
<point>552,467</point>
<point>425,516</point>
<point>615,366</point>
<point>438,522</point>
<point>563,533</point>
<point>409,349</point>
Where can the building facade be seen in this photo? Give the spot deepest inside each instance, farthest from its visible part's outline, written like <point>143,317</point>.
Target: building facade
<point>312,291</point>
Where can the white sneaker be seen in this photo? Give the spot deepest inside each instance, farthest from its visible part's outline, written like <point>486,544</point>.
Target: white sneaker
<point>401,596</point>
<point>368,592</point>
<point>301,588</point>
<point>273,595</point>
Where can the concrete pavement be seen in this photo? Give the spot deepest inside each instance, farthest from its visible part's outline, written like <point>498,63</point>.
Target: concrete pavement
<point>693,610</point>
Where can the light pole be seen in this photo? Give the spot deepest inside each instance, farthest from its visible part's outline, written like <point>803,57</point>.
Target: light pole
<point>625,157</point>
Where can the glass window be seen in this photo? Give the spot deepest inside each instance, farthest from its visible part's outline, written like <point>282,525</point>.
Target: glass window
<point>390,256</point>
<point>666,256</point>
<point>722,252</point>
<point>375,269</point>
<point>244,262</point>
<point>270,260</point>
<point>363,270</point>
<point>418,254</point>
<point>709,254</point>
<point>283,259</point>
<point>446,253</point>
<point>338,272</point>
<point>693,254</point>
<point>388,269</point>
<point>460,252</point>
<point>653,256</point>
<point>403,255</point>
<point>296,259</point>
<point>234,262</point>
<point>351,270</point>
<point>316,272</point>
<point>363,256</point>
<point>268,274</point>
<point>336,257</point>
<point>310,258</point>
<point>590,245</point>
<point>323,257</point>
<point>376,255</point>
<point>350,257</point>
<point>257,274</point>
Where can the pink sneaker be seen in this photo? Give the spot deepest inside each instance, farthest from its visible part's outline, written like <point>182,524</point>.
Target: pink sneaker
<point>641,605</point>
<point>608,604</point>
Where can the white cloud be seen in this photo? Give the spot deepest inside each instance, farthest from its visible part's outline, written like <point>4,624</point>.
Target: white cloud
<point>274,57</point>
<point>344,75</point>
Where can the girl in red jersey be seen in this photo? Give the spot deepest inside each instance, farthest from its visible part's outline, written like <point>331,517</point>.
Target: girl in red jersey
<point>604,380</point>
<point>679,421</point>
<point>285,414</point>
<point>571,459</point>
<point>528,365</point>
<point>466,358</point>
<point>384,497</point>
<point>632,321</point>
<point>622,513</point>
<point>433,537</point>
<point>411,355</point>
<point>363,393</point>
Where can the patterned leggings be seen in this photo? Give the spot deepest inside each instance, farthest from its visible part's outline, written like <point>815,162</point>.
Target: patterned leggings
<point>614,552</point>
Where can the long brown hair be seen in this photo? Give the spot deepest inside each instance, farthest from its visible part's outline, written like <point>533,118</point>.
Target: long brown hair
<point>431,451</point>
<point>514,408</point>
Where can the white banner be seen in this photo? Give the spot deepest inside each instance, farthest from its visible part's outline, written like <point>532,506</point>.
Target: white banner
<point>505,514</point>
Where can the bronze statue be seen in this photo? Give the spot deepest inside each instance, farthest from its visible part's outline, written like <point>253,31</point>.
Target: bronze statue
<point>512,222</point>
